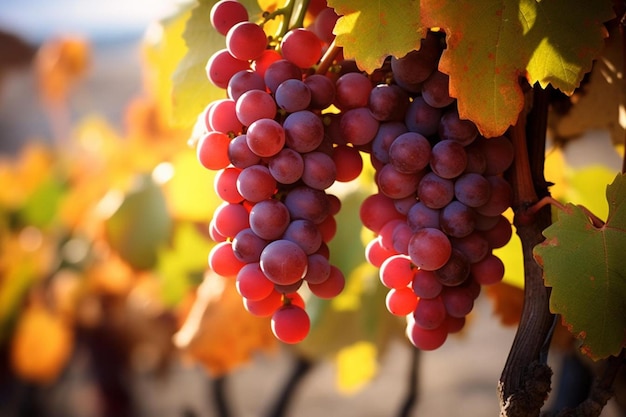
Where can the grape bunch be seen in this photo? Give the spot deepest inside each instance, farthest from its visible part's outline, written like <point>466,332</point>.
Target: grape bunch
<point>438,213</point>
<point>267,141</point>
<point>297,118</point>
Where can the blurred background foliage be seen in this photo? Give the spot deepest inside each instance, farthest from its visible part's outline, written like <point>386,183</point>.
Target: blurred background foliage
<point>104,240</point>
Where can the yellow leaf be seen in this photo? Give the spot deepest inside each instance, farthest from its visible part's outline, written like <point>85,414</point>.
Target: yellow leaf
<point>356,365</point>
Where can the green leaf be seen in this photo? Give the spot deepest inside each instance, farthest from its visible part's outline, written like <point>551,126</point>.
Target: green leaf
<point>371,31</point>
<point>181,266</point>
<point>563,38</point>
<point>41,207</point>
<point>140,226</point>
<point>586,268</point>
<point>192,90</point>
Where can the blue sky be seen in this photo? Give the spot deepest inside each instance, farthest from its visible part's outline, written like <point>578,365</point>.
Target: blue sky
<point>37,20</point>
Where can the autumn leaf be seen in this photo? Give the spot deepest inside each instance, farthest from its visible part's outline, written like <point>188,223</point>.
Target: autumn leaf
<point>584,264</point>
<point>218,332</point>
<point>192,90</point>
<point>371,31</point>
<point>41,346</point>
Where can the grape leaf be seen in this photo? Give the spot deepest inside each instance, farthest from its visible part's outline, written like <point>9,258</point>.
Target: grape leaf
<point>140,226</point>
<point>564,37</point>
<point>371,31</point>
<point>586,268</point>
<point>599,102</point>
<point>192,90</point>
<point>482,58</point>
<point>492,43</point>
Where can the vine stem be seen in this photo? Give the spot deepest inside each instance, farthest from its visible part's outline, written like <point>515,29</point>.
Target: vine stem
<point>525,380</point>
<point>328,58</point>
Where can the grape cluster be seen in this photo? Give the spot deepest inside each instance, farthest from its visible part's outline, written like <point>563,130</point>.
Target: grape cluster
<point>438,213</point>
<point>267,140</point>
<point>289,127</point>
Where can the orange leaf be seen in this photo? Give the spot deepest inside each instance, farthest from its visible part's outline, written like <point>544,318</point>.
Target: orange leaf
<point>41,346</point>
<point>219,332</point>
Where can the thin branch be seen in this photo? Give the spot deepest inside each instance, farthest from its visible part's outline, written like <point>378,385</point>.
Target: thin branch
<point>413,386</point>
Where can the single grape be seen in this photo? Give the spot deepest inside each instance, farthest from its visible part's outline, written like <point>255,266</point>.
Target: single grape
<point>459,300</point>
<point>223,261</point>
<point>254,105</point>
<point>452,127</point>
<point>222,117</point>
<point>352,91</point>
<point>290,324</point>
<point>230,219</point>
<point>388,102</point>
<point>269,219</point>
<point>255,183</point>
<point>488,271</point>
<point>252,284</point>
<point>320,171</point>
<point>322,91</point>
<point>302,47</point>
<point>293,95</point>
<point>318,269</point>
<point>429,249</point>
<point>396,272</point>
<point>395,184</point>
<point>225,185</point>
<point>264,307</point>
<point>376,210</point>
<point>426,284</point>
<point>499,233</point>
<point>247,246</point>
<point>472,189</point>
<point>435,192</point>
<point>448,159</point>
<point>243,81</point>
<point>212,150</point>
<point>455,271</point>
<point>265,137</point>
<point>246,41</point>
<point>400,301</point>
<point>421,216</point>
<point>427,339</point>
<point>286,166</point>
<point>474,246</point>
<point>410,152</point>
<point>457,220</point>
<point>239,153</point>
<point>415,67</point>
<point>226,14</point>
<point>358,126</point>
<point>348,163</point>
<point>435,90</point>
<point>429,313</point>
<point>422,118</point>
<point>221,67</point>
<point>283,262</point>
<point>304,131</point>
<point>305,233</point>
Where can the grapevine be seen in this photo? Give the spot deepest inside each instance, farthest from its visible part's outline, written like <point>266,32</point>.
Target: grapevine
<point>359,174</point>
